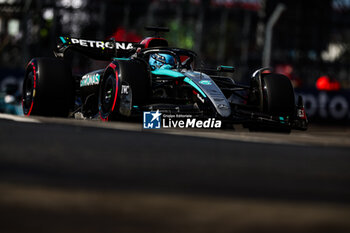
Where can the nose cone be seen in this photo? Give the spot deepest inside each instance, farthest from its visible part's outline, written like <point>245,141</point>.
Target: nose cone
<point>212,91</point>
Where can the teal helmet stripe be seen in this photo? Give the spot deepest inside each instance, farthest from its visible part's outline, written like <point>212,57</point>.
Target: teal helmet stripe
<point>63,40</point>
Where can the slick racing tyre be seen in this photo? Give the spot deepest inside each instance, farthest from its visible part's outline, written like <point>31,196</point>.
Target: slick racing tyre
<point>278,95</point>
<point>277,100</point>
<point>48,88</point>
<point>125,83</point>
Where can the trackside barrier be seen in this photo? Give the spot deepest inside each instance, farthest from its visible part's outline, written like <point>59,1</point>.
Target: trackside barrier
<point>330,106</point>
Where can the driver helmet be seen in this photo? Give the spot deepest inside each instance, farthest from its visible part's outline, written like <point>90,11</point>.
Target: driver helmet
<point>161,61</point>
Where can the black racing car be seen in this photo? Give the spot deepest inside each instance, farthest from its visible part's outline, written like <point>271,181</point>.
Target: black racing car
<point>150,76</point>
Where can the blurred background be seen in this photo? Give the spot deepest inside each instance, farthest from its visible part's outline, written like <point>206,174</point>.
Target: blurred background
<point>58,177</point>
<point>306,40</point>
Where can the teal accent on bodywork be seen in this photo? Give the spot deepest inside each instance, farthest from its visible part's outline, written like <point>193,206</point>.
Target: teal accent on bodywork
<point>225,68</point>
<point>135,106</point>
<point>193,84</point>
<point>282,120</point>
<point>170,73</point>
<point>231,67</point>
<point>63,40</point>
<point>121,58</point>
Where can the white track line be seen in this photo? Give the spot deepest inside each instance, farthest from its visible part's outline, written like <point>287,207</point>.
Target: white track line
<point>18,118</point>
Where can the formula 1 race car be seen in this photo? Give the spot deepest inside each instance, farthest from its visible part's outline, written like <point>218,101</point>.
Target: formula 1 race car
<point>151,76</point>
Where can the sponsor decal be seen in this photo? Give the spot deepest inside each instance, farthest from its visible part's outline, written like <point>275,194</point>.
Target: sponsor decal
<point>205,82</point>
<point>301,113</point>
<point>323,105</point>
<point>158,57</point>
<point>89,80</point>
<point>223,106</point>
<point>125,89</point>
<point>102,44</point>
<point>200,98</point>
<point>156,120</point>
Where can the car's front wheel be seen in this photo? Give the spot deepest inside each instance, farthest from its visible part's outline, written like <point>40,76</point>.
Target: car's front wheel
<point>124,85</point>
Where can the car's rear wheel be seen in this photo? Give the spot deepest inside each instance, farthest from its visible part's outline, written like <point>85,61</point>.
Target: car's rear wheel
<point>48,88</point>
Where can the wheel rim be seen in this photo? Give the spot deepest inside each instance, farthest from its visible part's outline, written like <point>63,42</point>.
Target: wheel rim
<point>107,95</point>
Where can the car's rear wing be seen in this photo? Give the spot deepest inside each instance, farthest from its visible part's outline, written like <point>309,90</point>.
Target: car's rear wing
<point>96,49</point>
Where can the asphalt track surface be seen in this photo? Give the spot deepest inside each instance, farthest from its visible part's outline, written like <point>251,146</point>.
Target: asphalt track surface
<point>63,175</point>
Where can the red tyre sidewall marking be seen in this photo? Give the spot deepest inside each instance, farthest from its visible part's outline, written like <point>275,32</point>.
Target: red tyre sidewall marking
<point>34,91</point>
<point>116,90</point>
